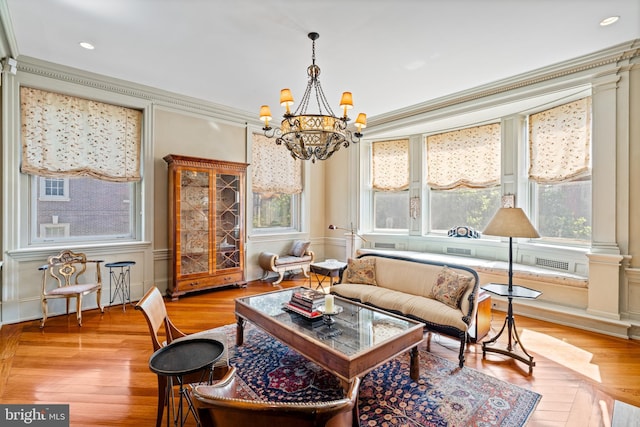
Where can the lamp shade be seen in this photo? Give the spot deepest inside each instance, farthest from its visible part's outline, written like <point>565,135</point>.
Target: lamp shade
<point>346,101</point>
<point>265,113</point>
<point>361,121</point>
<point>510,222</point>
<point>286,97</point>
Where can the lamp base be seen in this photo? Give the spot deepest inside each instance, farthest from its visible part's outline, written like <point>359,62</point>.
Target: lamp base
<point>513,341</point>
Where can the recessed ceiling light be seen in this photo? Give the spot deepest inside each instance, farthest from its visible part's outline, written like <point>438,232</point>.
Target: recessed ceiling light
<point>608,21</point>
<point>87,45</point>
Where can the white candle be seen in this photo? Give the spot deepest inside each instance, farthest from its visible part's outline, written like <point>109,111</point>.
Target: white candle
<point>328,304</point>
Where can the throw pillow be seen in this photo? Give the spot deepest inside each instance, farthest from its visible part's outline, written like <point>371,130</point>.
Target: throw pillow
<point>360,270</point>
<point>299,247</point>
<point>449,287</point>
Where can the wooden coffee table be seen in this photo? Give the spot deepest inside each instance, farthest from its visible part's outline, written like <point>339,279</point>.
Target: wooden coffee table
<point>361,338</point>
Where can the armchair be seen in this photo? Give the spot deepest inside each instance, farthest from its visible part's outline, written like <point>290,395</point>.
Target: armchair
<point>219,406</point>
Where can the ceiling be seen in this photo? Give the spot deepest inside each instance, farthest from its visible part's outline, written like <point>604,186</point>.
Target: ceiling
<point>391,54</point>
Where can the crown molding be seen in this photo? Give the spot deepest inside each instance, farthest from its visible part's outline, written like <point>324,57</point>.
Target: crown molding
<point>41,68</point>
<point>574,72</point>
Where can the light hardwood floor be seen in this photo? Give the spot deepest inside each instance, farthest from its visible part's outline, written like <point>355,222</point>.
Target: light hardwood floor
<point>101,369</point>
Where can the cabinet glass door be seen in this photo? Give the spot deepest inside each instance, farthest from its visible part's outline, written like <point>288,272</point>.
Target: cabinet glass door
<point>227,221</point>
<point>194,221</point>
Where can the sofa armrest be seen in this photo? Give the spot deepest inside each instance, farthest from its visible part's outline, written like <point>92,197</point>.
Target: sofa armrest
<point>267,260</point>
<point>310,253</point>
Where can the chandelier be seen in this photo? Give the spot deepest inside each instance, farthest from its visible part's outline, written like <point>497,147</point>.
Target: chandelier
<point>313,136</point>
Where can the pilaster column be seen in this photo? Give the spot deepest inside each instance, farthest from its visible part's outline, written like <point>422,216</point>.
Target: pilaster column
<point>605,258</point>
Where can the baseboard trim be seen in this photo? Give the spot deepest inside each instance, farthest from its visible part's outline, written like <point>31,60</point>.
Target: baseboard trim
<point>567,316</point>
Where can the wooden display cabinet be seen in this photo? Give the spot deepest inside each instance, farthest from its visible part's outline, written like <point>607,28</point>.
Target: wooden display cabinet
<point>206,223</point>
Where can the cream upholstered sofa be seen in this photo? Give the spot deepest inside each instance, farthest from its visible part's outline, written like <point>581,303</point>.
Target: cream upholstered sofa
<point>299,257</point>
<point>442,296</point>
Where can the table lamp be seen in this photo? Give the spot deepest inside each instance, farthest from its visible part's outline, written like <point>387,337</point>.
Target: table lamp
<point>510,222</point>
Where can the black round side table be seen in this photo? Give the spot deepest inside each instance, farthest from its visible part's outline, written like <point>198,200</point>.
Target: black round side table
<point>181,358</point>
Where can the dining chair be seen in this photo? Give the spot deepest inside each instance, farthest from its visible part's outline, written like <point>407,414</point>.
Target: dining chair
<point>63,277</point>
<point>155,312</point>
<point>219,406</point>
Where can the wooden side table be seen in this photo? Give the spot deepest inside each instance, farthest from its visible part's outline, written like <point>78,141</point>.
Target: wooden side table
<point>481,324</point>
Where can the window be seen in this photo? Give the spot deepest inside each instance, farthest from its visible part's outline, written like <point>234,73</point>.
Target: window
<point>93,209</point>
<point>390,183</point>
<point>276,184</point>
<point>83,158</point>
<point>560,171</point>
<point>273,210</point>
<point>463,176</point>
<point>391,210</point>
<point>473,207</point>
<point>54,189</point>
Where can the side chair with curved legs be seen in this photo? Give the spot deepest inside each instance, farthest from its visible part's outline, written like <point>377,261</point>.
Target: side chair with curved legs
<point>155,312</point>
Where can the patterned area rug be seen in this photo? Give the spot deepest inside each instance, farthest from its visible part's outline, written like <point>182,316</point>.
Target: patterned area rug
<point>443,396</point>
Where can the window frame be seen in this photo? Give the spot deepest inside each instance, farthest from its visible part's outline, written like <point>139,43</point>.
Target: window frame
<point>18,243</point>
<point>300,215</point>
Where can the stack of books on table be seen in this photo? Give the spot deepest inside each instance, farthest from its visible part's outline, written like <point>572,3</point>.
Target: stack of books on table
<point>306,302</point>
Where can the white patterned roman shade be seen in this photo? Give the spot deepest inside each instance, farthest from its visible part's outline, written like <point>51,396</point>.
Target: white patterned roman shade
<point>390,165</point>
<point>464,158</point>
<point>560,142</point>
<point>65,136</point>
<point>274,170</point>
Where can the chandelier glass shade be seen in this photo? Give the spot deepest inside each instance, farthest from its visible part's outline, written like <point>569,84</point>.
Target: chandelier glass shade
<point>313,136</point>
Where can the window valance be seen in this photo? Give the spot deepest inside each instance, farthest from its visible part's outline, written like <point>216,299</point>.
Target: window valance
<point>274,170</point>
<point>66,136</point>
<point>560,142</point>
<point>464,158</point>
<point>390,165</point>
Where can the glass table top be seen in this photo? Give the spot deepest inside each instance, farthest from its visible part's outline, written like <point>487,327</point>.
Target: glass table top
<point>357,327</point>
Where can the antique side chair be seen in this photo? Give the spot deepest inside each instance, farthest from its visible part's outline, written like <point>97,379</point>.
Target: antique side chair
<point>66,270</point>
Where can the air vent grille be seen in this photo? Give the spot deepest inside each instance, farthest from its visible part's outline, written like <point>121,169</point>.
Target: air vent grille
<point>459,251</point>
<point>385,245</point>
<point>551,263</point>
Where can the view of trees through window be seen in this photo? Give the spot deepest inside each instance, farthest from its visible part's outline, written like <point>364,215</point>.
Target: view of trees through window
<point>465,206</point>
<point>272,210</point>
<point>391,210</point>
<point>564,210</point>
<point>92,208</point>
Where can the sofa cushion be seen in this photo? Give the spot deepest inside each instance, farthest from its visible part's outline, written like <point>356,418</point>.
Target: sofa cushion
<point>449,287</point>
<point>287,260</point>
<point>360,270</point>
<point>409,305</point>
<point>299,247</point>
